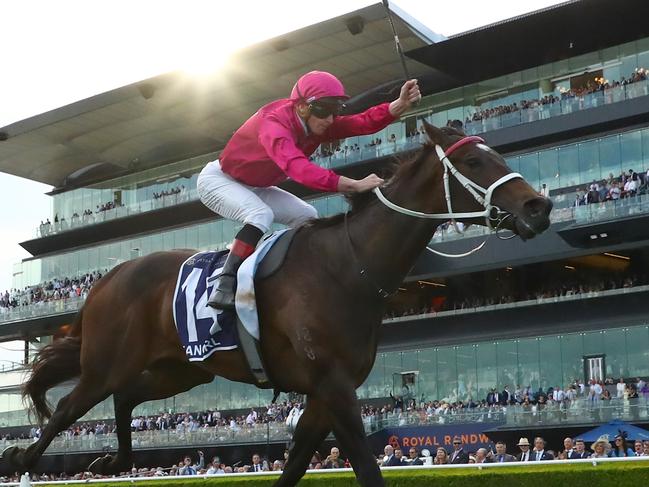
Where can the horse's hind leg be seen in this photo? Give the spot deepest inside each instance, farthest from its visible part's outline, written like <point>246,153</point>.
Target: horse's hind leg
<point>86,394</point>
<point>162,380</point>
<point>312,428</point>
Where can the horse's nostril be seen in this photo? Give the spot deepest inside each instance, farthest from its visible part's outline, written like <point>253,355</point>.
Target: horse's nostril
<point>538,207</point>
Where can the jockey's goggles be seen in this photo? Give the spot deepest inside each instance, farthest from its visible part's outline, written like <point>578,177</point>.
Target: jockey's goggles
<point>322,109</point>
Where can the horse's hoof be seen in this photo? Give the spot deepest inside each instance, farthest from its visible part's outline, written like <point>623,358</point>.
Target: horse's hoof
<point>13,456</point>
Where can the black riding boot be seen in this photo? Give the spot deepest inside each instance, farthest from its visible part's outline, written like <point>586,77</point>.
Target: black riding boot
<point>225,286</point>
<point>224,290</point>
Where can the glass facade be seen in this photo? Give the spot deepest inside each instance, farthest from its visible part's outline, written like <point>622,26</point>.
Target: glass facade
<point>452,373</point>
<point>215,235</point>
<point>561,166</point>
<point>141,192</point>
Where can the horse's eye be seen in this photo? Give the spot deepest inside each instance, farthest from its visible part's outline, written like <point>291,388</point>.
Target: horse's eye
<point>473,161</point>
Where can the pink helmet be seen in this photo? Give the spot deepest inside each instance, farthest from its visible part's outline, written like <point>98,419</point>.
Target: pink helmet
<point>317,84</point>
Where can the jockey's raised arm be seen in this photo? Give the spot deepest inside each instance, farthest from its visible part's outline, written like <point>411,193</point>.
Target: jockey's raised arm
<point>274,144</point>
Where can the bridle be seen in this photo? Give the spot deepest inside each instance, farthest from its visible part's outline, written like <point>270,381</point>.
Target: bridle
<point>493,215</point>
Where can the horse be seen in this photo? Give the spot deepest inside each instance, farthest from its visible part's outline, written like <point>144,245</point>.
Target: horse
<point>320,314</point>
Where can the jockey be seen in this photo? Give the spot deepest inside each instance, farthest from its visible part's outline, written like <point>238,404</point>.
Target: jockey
<point>274,145</point>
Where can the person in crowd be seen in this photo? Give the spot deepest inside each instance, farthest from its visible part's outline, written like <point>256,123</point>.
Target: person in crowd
<point>389,458</point>
<point>524,455</point>
<point>539,453</point>
<point>334,460</point>
<point>638,448</point>
<point>481,456</point>
<point>275,144</point>
<point>579,451</point>
<point>601,448</point>
<point>188,469</point>
<point>413,457</point>
<point>458,455</point>
<point>501,455</point>
<point>257,465</point>
<point>441,457</point>
<point>620,447</point>
<point>568,448</point>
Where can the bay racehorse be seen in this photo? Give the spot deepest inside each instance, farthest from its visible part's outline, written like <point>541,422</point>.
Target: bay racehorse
<point>320,313</point>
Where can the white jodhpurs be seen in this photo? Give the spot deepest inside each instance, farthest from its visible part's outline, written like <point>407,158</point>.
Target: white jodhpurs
<point>247,204</point>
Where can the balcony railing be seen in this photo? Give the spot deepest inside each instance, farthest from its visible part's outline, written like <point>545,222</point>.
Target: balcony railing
<point>611,210</point>
<point>118,212</point>
<point>562,107</point>
<point>580,411</point>
<point>363,153</point>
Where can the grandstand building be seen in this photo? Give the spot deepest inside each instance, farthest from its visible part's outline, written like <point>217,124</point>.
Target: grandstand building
<point>568,109</point>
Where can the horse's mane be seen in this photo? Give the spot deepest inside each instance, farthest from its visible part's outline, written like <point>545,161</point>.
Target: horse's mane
<point>394,172</point>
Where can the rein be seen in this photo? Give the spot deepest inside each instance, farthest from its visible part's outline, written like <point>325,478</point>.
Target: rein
<point>493,215</point>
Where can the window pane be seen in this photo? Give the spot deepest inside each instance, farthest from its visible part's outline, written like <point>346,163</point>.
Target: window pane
<point>507,353</point>
<point>572,352</point>
<point>487,373</point>
<point>637,342</point>
<point>446,373</point>
<point>550,352</point>
<point>610,157</point>
<point>615,349</point>
<point>568,166</point>
<point>427,360</point>
<point>466,372</point>
<point>528,362</point>
<point>529,169</point>
<point>549,168</point>
<point>630,152</point>
<point>589,162</point>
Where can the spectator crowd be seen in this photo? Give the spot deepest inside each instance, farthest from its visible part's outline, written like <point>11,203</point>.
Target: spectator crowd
<point>573,94</point>
<point>58,289</point>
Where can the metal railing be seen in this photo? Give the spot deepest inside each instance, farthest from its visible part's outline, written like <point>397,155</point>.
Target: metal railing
<point>123,211</point>
<point>353,155</point>
<point>561,107</point>
<point>579,411</point>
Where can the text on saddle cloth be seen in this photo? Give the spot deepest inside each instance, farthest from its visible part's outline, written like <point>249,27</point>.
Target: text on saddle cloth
<point>201,328</point>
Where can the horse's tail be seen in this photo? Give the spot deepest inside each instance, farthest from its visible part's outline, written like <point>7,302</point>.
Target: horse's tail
<point>57,362</point>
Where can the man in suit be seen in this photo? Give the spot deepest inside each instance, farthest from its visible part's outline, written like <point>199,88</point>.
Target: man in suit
<point>501,455</point>
<point>568,448</point>
<point>525,454</point>
<point>579,450</point>
<point>506,397</point>
<point>539,453</point>
<point>390,460</point>
<point>459,455</point>
<point>413,458</point>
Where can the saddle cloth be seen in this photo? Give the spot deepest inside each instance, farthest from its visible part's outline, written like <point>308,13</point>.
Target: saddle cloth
<point>194,318</point>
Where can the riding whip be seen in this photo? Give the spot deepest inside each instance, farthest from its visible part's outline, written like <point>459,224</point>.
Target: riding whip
<point>396,40</point>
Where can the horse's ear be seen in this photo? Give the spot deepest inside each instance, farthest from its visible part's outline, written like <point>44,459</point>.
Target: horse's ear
<point>436,135</point>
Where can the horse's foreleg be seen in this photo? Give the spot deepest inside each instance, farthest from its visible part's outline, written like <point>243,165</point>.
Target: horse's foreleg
<point>312,428</point>
<point>345,413</point>
<point>86,394</point>
<point>158,382</point>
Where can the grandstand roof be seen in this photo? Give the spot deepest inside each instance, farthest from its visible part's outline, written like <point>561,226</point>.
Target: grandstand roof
<point>552,34</point>
<point>176,115</point>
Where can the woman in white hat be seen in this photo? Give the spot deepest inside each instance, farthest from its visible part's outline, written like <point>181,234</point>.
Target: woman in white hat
<point>601,447</point>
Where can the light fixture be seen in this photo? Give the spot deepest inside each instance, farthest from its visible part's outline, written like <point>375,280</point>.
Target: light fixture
<point>429,283</point>
<point>617,256</point>
<point>569,267</point>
